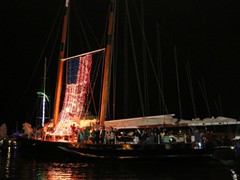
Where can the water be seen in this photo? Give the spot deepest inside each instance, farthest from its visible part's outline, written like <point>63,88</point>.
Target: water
<point>13,166</point>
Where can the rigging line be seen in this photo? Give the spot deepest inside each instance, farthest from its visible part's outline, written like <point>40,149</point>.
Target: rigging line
<point>37,112</point>
<point>92,97</point>
<point>206,99</point>
<point>178,85</point>
<point>83,32</point>
<point>126,82</point>
<point>203,90</point>
<point>153,67</point>
<point>37,64</point>
<point>95,80</point>
<point>97,69</point>
<point>217,107</point>
<point>145,72</point>
<point>77,15</point>
<point>114,64</point>
<point>78,9</point>
<point>220,104</point>
<point>160,74</point>
<point>113,47</point>
<point>135,61</point>
<point>191,88</point>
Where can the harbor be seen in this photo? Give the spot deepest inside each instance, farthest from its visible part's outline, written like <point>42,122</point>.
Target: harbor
<point>120,90</point>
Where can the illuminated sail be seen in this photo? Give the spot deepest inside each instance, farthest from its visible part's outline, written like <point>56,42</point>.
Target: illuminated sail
<point>78,81</point>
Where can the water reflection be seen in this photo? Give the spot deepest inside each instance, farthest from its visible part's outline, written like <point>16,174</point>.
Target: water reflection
<point>235,176</point>
<point>8,163</point>
<point>63,170</point>
<point>12,166</point>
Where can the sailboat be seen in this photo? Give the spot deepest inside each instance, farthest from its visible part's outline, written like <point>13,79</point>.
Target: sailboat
<point>60,138</point>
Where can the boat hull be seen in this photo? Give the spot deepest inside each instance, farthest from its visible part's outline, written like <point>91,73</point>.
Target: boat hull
<point>137,151</point>
<point>43,149</point>
<point>77,151</point>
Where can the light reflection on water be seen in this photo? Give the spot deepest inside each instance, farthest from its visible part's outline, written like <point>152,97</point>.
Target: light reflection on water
<point>235,176</point>
<point>61,170</point>
<point>14,167</point>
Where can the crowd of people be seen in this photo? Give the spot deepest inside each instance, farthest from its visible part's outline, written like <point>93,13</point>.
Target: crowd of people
<point>156,135</point>
<point>91,135</point>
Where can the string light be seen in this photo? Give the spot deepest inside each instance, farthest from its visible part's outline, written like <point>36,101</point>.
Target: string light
<point>75,94</point>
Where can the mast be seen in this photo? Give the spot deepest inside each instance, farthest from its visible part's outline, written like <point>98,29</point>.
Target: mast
<point>44,96</point>
<point>60,66</point>
<point>107,65</point>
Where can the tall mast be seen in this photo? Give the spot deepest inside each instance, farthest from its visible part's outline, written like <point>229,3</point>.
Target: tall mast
<point>60,66</point>
<point>44,96</point>
<point>107,65</point>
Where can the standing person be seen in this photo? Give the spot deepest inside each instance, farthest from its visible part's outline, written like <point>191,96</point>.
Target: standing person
<point>136,135</point>
<point>97,135</point>
<point>197,139</point>
<point>44,133</point>
<point>93,136</point>
<point>86,134</point>
<point>166,138</point>
<point>209,139</point>
<point>73,128</point>
<point>157,133</point>
<point>107,136</point>
<point>144,136</point>
<point>162,134</point>
<point>102,135</point>
<point>112,136</point>
<point>81,135</point>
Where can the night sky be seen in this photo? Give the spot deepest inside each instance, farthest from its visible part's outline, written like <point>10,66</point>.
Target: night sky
<point>206,35</point>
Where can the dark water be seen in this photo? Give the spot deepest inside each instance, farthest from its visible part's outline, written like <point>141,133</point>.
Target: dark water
<point>13,166</point>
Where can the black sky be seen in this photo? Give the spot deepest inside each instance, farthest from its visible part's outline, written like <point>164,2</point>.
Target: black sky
<point>205,33</point>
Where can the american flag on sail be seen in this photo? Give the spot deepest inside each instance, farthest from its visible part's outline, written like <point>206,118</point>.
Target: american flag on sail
<point>78,81</point>
<point>76,91</point>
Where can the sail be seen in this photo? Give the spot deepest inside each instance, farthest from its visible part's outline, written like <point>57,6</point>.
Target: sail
<point>78,81</point>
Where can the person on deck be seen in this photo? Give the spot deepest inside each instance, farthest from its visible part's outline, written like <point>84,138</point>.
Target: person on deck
<point>209,139</point>
<point>136,136</point>
<point>93,136</point>
<point>81,135</point>
<point>97,135</point>
<point>166,138</point>
<point>44,133</point>
<point>112,136</point>
<point>197,139</point>
<point>162,134</point>
<point>73,128</point>
<point>102,135</point>
<point>144,136</point>
<point>86,134</point>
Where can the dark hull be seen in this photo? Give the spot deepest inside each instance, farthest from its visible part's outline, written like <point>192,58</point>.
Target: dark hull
<point>43,149</point>
<point>75,151</point>
<point>138,151</point>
